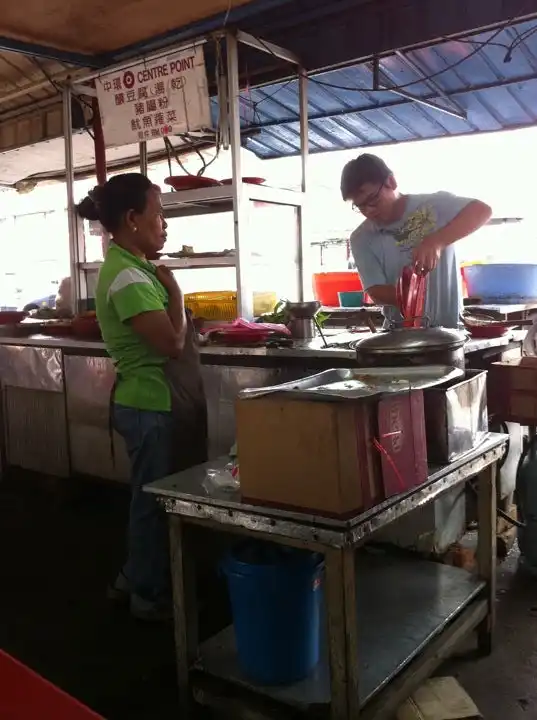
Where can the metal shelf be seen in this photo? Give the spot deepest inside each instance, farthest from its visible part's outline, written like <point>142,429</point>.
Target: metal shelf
<point>220,199</point>
<point>178,263</point>
<point>393,629</point>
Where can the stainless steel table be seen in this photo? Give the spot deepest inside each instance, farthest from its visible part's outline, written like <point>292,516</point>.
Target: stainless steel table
<point>390,621</point>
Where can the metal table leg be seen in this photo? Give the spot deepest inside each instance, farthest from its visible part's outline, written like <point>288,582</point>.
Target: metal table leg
<point>340,592</point>
<point>185,610</point>
<point>486,552</point>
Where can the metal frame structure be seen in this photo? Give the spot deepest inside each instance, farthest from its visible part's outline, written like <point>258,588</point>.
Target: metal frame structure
<point>402,661</point>
<point>235,197</point>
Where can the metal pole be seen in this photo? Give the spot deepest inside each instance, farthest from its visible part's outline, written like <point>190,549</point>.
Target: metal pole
<point>69,184</point>
<point>242,248</point>
<point>304,270</point>
<point>143,158</point>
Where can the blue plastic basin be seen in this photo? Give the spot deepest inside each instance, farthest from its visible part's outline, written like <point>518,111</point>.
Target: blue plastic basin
<point>504,283</point>
<point>275,598</point>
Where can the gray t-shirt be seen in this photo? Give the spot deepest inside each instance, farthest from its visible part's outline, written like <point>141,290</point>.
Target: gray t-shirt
<point>381,253</point>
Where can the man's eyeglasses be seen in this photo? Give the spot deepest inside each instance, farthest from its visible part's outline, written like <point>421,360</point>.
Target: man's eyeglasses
<point>369,201</point>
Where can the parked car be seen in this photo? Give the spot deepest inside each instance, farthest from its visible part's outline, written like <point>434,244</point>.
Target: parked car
<point>21,293</point>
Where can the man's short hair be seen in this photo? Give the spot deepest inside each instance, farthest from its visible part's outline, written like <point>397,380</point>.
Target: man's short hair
<point>365,168</point>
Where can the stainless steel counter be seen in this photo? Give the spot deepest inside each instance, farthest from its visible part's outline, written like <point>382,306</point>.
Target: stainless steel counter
<point>56,395</point>
<point>312,349</point>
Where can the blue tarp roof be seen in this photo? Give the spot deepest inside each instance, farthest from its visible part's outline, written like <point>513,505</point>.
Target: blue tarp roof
<point>489,78</point>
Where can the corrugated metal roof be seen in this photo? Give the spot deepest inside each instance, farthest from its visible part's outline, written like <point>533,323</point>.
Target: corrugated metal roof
<point>490,79</point>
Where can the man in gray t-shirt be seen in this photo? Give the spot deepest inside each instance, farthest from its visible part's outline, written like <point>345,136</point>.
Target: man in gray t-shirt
<point>415,230</point>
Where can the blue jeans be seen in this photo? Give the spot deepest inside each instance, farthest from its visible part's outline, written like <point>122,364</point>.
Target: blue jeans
<point>151,440</point>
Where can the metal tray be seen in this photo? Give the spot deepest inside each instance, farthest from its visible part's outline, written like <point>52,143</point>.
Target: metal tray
<point>351,384</point>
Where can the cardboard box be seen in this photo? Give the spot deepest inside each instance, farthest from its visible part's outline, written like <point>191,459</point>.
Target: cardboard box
<point>512,390</point>
<point>334,458</point>
<point>439,699</point>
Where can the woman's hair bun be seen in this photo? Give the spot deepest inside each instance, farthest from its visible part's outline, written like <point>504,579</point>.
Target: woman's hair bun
<point>89,207</point>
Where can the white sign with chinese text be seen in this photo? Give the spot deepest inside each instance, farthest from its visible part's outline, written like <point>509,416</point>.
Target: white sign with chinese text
<point>155,99</point>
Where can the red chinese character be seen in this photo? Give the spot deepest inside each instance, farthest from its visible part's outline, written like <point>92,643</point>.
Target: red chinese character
<point>147,134</point>
<point>117,83</point>
<point>147,121</point>
<point>163,103</point>
<point>131,96</point>
<point>159,89</point>
<point>120,99</point>
<point>155,132</point>
<point>159,118</point>
<point>171,116</point>
<point>139,108</point>
<point>166,130</point>
<point>142,93</point>
<point>107,85</point>
<point>136,124</point>
<point>151,105</point>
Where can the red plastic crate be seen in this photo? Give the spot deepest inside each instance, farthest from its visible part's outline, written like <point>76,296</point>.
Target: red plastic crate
<point>25,695</point>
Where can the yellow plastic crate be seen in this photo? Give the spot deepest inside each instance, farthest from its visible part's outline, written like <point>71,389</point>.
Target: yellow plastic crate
<point>222,305</point>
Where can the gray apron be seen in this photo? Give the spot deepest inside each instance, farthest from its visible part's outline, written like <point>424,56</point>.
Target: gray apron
<point>188,405</point>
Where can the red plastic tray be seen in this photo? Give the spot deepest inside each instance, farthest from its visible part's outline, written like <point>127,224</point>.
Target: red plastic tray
<point>190,182</point>
<point>247,180</point>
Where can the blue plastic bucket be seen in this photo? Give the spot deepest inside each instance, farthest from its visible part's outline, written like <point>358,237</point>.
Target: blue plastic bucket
<point>507,283</point>
<point>275,595</point>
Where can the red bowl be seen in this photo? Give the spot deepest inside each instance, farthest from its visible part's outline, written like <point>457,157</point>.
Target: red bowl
<point>190,182</point>
<point>486,332</point>
<point>247,180</point>
<point>11,317</point>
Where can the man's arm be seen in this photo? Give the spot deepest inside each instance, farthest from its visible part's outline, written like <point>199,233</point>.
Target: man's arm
<point>470,218</point>
<point>371,272</point>
<point>383,294</point>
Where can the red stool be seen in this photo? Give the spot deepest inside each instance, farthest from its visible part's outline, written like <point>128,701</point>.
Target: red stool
<point>25,695</point>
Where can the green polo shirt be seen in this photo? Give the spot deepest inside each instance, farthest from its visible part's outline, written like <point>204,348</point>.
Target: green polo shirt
<point>128,286</point>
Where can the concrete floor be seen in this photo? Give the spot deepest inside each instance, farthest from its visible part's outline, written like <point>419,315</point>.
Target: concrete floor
<point>60,543</point>
<point>504,685</point>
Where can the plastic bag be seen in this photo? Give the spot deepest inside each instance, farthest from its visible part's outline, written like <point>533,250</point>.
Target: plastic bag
<point>224,478</point>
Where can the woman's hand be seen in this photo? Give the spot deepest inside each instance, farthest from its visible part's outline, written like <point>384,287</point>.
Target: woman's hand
<point>166,277</point>
<point>427,254</point>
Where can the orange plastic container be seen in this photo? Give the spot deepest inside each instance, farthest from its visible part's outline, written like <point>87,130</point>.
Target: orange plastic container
<point>326,286</point>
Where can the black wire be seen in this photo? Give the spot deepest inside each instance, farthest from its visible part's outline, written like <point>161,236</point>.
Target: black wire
<point>421,80</point>
<point>431,76</point>
<point>171,149</point>
<point>518,42</point>
<point>169,157</point>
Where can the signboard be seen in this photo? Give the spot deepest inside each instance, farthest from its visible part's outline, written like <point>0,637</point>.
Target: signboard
<point>155,99</point>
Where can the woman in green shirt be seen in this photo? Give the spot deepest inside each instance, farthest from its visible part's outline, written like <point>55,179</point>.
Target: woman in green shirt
<point>158,400</point>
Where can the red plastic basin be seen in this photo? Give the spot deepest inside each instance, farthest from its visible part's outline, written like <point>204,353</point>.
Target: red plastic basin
<point>326,286</point>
